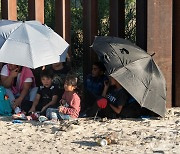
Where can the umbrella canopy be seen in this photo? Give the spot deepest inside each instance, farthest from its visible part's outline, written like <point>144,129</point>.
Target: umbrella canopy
<point>135,70</point>
<point>30,44</point>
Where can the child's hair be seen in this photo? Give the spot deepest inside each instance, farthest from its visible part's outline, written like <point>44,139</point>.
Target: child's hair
<point>47,73</point>
<point>100,65</point>
<point>71,80</point>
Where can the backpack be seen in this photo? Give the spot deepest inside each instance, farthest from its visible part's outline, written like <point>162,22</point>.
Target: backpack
<point>5,106</point>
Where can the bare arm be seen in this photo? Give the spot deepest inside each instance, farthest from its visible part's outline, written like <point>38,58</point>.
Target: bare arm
<point>52,102</point>
<point>106,86</point>
<point>35,103</point>
<point>116,109</point>
<point>24,92</point>
<point>7,80</point>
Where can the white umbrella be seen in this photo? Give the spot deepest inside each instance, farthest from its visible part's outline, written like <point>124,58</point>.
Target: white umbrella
<point>30,44</point>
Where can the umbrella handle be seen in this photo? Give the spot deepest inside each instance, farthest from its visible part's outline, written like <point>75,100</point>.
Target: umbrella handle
<point>96,114</point>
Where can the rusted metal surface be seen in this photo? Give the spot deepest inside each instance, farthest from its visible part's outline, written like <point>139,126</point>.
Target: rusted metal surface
<point>176,52</point>
<point>9,9</point>
<point>59,17</point>
<point>141,24</point>
<point>117,18</point>
<point>36,10</point>
<point>159,40</point>
<point>63,20</point>
<point>90,29</point>
<point>154,30</point>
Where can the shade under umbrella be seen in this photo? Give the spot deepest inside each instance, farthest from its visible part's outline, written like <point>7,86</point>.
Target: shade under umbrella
<point>135,70</point>
<point>30,44</point>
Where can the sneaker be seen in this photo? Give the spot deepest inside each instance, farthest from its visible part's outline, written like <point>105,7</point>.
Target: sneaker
<point>84,115</point>
<point>17,110</point>
<point>42,118</point>
<point>51,122</point>
<point>29,117</point>
<point>20,116</point>
<point>34,116</point>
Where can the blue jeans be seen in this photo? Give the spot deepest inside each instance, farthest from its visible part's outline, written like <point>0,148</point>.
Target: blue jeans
<point>31,95</point>
<point>53,113</point>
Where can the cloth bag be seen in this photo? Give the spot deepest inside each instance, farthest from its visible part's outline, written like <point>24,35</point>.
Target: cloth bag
<point>5,106</point>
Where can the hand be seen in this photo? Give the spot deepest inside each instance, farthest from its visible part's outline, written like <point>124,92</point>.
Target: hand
<point>14,73</point>
<point>44,108</point>
<point>62,101</point>
<point>106,83</point>
<point>32,109</point>
<point>17,102</point>
<point>61,109</point>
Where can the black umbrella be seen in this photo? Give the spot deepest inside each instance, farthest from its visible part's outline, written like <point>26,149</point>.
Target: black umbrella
<point>135,70</point>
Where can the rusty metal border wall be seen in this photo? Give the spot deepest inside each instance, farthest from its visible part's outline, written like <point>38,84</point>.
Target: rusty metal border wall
<point>155,31</point>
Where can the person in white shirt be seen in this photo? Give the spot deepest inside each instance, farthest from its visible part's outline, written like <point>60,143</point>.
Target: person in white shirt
<point>19,83</point>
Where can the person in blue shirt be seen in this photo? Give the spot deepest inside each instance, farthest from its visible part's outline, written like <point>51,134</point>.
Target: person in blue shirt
<point>94,84</point>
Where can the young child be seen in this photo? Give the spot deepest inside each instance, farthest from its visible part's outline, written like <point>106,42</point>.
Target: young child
<point>69,104</point>
<point>47,94</point>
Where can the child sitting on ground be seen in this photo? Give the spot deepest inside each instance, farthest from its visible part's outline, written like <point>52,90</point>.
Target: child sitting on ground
<point>69,104</point>
<point>47,94</point>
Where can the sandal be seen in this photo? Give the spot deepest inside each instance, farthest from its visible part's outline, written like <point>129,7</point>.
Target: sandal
<point>42,118</point>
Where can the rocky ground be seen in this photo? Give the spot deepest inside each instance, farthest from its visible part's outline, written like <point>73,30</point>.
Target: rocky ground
<point>156,135</point>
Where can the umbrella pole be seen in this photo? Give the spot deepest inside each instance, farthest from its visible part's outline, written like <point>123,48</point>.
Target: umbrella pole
<point>96,114</point>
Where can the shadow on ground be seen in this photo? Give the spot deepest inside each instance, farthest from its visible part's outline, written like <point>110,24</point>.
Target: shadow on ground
<point>86,143</point>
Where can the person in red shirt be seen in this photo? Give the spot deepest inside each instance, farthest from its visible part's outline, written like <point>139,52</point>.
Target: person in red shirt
<point>69,104</point>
